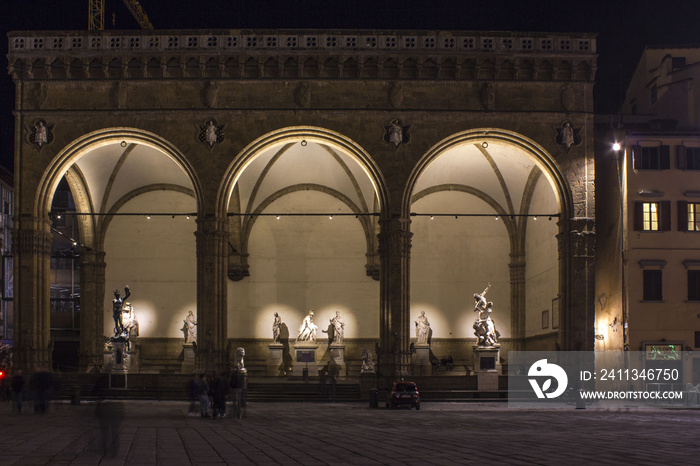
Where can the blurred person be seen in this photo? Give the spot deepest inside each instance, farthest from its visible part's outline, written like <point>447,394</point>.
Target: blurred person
<point>219,390</point>
<point>193,391</point>
<point>203,394</point>
<point>17,387</point>
<point>110,415</point>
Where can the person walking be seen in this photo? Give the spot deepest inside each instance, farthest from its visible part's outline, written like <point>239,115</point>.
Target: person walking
<point>203,396</point>
<point>17,386</point>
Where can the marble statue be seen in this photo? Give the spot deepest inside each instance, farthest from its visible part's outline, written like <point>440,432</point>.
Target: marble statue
<point>131,324</point>
<point>484,327</point>
<point>117,304</point>
<point>422,329</point>
<point>190,327</point>
<point>338,329</point>
<point>239,365</point>
<point>367,362</point>
<point>307,330</point>
<point>276,328</point>
<point>41,134</point>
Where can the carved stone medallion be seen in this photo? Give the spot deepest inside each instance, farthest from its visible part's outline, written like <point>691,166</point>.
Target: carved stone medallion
<point>40,133</point>
<point>396,133</point>
<point>210,133</point>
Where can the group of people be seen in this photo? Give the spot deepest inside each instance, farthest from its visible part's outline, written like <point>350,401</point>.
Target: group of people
<point>41,386</point>
<point>212,393</point>
<point>446,362</point>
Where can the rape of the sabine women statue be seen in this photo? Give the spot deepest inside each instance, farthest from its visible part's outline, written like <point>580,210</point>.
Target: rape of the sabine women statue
<point>422,329</point>
<point>117,304</point>
<point>484,328</point>
<point>307,330</point>
<point>189,328</point>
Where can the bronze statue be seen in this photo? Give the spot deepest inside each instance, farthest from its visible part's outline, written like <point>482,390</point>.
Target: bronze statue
<point>117,304</point>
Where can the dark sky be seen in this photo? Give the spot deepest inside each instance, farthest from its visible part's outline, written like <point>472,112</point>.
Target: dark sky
<point>624,27</point>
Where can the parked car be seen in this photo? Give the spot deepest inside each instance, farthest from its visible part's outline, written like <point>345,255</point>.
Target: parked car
<point>403,393</point>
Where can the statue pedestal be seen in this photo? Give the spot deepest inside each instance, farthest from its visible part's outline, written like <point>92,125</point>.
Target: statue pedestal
<point>275,363</point>
<point>421,361</point>
<point>337,361</point>
<point>305,358</point>
<point>187,359</point>
<point>487,367</point>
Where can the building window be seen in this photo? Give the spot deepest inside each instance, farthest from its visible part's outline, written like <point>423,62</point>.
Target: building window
<point>688,216</point>
<point>652,285</point>
<point>654,94</point>
<point>651,158</point>
<point>688,158</point>
<point>697,340</point>
<point>652,216</point>
<point>693,217</point>
<point>693,285</point>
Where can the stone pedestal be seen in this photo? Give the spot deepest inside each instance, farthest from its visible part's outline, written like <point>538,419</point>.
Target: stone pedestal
<point>421,361</point>
<point>275,362</point>
<point>187,359</point>
<point>487,367</point>
<point>305,358</point>
<point>337,362</point>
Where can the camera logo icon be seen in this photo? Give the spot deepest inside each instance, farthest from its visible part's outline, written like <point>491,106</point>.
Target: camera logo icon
<point>546,372</point>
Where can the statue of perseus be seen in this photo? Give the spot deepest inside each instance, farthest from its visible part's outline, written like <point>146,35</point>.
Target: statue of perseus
<point>117,305</point>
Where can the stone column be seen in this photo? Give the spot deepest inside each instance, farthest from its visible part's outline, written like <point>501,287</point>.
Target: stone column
<point>517,301</point>
<point>31,248</point>
<point>577,248</point>
<point>212,261</point>
<point>395,256</point>
<point>92,296</point>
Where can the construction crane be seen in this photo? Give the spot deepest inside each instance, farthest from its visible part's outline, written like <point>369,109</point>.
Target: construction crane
<point>96,17</point>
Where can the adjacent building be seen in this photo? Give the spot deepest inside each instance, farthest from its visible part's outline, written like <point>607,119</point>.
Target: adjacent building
<point>648,188</point>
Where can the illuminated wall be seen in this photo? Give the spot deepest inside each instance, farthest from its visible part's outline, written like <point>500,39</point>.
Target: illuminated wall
<point>157,259</point>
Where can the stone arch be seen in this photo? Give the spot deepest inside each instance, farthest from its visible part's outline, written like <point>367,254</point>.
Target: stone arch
<point>294,135</point>
<point>514,213</point>
<point>552,171</point>
<point>63,162</point>
<point>258,182</point>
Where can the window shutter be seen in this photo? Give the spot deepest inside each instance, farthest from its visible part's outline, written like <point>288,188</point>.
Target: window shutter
<point>665,215</point>
<point>638,216</point>
<point>664,157</point>
<point>681,157</point>
<point>682,215</point>
<point>637,157</point>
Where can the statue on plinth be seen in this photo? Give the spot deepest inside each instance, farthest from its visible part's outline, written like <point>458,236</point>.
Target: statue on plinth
<point>484,327</point>
<point>239,365</point>
<point>367,362</point>
<point>338,329</point>
<point>307,330</point>
<point>422,329</point>
<point>117,304</point>
<point>276,328</point>
<point>189,328</point>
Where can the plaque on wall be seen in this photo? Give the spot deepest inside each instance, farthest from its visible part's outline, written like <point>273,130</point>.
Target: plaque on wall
<point>306,356</point>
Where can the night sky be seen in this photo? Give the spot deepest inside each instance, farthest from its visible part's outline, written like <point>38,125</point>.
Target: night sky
<point>624,27</point>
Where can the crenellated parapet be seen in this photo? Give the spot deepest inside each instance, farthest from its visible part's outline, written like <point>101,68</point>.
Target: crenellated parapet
<point>324,54</point>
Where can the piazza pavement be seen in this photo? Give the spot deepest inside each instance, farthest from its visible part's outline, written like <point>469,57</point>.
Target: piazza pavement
<point>315,433</point>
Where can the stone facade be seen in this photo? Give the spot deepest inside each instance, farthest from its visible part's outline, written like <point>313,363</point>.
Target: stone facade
<point>212,100</point>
